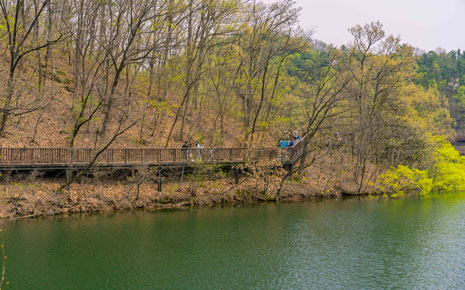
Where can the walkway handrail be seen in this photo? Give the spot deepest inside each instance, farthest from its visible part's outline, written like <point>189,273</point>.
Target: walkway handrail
<point>296,151</point>
<point>133,156</point>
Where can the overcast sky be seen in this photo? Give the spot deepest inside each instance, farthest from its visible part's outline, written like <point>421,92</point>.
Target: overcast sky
<point>426,24</point>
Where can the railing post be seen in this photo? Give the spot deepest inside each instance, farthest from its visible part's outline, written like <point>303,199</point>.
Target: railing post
<point>72,156</point>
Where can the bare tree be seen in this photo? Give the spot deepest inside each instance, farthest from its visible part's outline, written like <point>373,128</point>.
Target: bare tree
<point>206,29</point>
<point>19,27</point>
<point>322,101</point>
<point>267,34</point>
<point>379,66</point>
<point>131,25</point>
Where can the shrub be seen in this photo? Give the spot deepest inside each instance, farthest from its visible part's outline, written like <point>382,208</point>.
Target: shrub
<point>401,180</point>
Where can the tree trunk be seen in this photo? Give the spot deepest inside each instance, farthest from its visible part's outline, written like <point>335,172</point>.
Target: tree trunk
<point>6,106</point>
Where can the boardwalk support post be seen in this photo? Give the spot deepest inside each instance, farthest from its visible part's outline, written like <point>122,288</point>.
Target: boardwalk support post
<point>236,175</point>
<point>69,174</point>
<point>288,166</point>
<point>159,179</point>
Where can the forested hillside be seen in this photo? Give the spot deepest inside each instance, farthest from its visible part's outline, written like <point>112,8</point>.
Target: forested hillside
<point>446,71</point>
<point>224,72</point>
<point>78,72</point>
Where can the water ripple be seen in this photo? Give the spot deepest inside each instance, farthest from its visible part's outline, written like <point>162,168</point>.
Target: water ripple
<point>349,244</point>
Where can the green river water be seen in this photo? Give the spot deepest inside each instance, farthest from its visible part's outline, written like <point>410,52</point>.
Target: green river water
<point>329,244</point>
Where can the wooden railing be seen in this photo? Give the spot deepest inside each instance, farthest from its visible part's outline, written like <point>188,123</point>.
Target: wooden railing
<point>295,152</point>
<point>132,156</point>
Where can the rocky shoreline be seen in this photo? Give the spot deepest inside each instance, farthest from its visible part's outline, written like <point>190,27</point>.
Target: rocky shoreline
<point>42,199</point>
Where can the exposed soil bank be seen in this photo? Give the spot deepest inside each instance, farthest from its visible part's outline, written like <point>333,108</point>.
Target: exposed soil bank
<point>41,199</point>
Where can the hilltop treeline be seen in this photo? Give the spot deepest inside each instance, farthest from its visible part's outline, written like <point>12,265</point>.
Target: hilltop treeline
<point>446,71</point>
<point>234,72</point>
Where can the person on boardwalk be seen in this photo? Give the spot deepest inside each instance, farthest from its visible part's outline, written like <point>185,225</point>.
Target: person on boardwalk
<point>199,150</point>
<point>185,150</point>
<point>284,151</point>
<point>296,137</point>
<point>190,152</point>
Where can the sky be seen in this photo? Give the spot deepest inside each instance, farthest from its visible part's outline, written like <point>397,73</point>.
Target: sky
<point>425,24</point>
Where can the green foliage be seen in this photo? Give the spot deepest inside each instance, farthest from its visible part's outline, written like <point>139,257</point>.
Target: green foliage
<point>446,174</point>
<point>442,68</point>
<point>159,106</point>
<point>425,110</point>
<point>460,96</point>
<point>401,180</point>
<point>4,25</point>
<point>446,72</point>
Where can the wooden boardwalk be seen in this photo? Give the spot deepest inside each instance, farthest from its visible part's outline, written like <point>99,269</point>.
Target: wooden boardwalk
<point>78,158</point>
